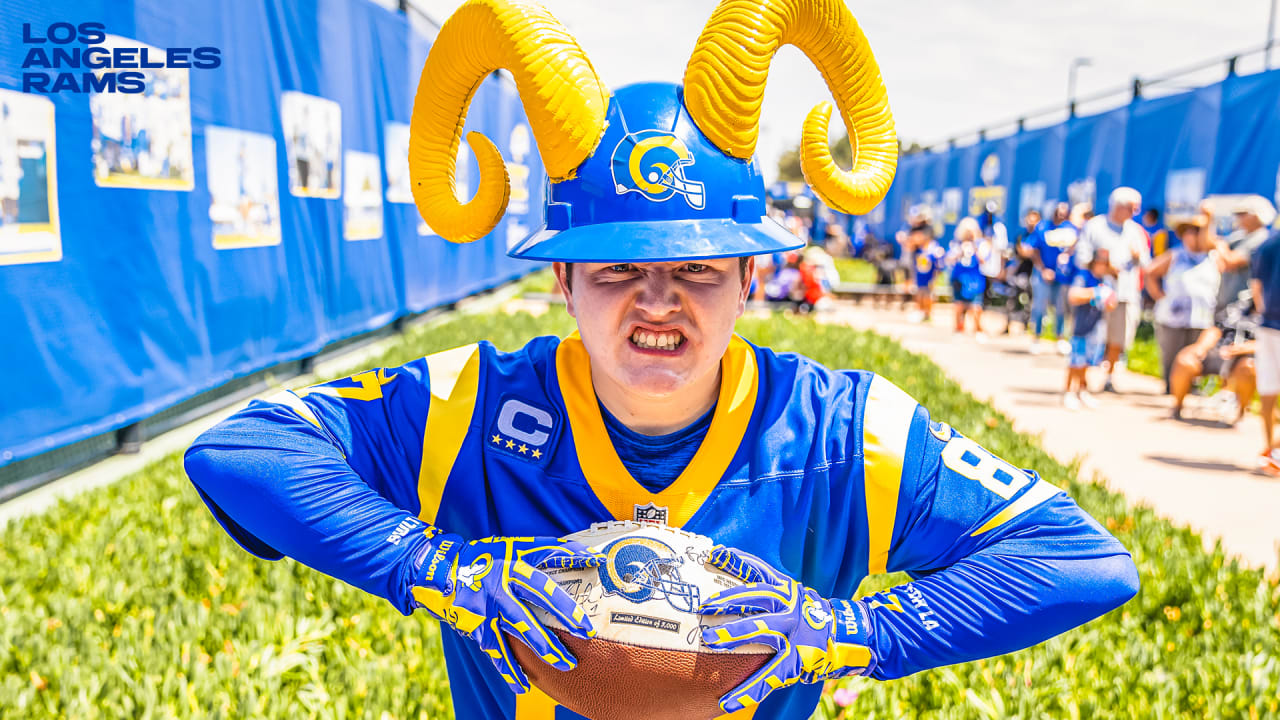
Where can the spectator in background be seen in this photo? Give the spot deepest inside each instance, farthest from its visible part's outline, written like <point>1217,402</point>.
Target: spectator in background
<point>1157,234</point>
<point>968,284</point>
<point>1018,274</point>
<point>1051,239</point>
<point>786,285</point>
<point>996,237</point>
<point>1184,283</point>
<point>1264,283</point>
<point>820,275</point>
<point>928,259</point>
<point>1091,296</point>
<point>1126,243</point>
<point>1080,214</point>
<point>1226,351</point>
<point>1253,215</point>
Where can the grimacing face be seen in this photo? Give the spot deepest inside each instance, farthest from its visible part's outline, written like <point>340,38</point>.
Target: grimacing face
<point>654,329</point>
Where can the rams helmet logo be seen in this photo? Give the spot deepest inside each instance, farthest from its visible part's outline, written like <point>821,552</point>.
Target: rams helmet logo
<point>641,568</point>
<point>652,163</point>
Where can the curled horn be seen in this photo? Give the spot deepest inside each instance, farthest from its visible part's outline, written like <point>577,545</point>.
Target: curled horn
<point>724,85</point>
<point>563,96</point>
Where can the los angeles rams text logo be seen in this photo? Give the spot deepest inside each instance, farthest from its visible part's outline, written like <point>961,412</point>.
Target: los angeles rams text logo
<point>652,163</point>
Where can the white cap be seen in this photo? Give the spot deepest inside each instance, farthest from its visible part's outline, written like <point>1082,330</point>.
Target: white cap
<point>1257,206</point>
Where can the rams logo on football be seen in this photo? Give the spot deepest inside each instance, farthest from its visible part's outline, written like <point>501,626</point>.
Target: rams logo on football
<point>641,568</point>
<point>652,163</point>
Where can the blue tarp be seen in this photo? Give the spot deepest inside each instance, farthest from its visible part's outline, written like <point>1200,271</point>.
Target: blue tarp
<point>141,311</point>
<point>1221,138</point>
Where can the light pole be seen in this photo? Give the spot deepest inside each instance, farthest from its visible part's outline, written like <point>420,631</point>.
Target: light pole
<point>1271,32</point>
<point>1076,64</point>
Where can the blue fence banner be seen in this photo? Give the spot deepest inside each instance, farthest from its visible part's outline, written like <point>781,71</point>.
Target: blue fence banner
<point>1175,150</point>
<point>155,245</point>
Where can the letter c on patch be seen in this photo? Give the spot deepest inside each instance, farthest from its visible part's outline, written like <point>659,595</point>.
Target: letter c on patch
<point>513,408</point>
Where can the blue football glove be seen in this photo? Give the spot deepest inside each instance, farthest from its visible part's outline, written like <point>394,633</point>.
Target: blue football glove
<point>815,638</point>
<point>485,588</point>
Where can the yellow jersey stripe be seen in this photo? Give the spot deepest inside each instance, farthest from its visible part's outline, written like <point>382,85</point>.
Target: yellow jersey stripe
<point>535,705</point>
<point>609,479</point>
<point>886,423</point>
<point>294,403</point>
<point>455,380</point>
<point>1038,493</point>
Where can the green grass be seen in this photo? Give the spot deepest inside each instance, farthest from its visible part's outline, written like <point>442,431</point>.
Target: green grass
<point>130,601</point>
<point>855,270</point>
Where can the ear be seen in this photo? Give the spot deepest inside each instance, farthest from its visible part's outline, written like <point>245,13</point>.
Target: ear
<point>562,280</point>
<point>745,291</point>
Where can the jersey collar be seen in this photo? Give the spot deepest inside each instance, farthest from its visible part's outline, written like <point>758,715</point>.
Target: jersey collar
<point>609,479</point>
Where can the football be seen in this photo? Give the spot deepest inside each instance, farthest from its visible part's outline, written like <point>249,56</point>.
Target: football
<point>647,659</point>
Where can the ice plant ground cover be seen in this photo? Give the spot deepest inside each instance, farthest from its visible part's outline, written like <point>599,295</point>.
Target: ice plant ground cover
<point>130,601</point>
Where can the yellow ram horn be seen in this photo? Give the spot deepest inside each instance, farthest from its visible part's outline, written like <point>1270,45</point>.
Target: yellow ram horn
<point>724,86</point>
<point>562,95</point>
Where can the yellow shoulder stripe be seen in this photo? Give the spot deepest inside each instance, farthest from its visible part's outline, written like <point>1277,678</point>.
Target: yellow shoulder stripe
<point>454,376</point>
<point>886,423</point>
<point>1041,491</point>
<point>294,403</point>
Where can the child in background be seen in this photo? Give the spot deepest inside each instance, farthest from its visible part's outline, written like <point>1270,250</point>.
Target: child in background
<point>967,281</point>
<point>928,258</point>
<point>1091,295</point>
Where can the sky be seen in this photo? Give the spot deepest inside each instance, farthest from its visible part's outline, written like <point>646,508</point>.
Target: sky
<point>950,66</point>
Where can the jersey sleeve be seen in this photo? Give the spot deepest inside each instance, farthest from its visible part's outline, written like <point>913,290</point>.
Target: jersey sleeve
<point>1000,558</point>
<point>326,475</point>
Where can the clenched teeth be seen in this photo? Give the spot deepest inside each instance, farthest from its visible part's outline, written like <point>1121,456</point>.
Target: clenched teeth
<point>657,340</point>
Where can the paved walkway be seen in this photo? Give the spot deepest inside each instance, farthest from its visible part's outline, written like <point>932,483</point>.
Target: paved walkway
<point>1196,472</point>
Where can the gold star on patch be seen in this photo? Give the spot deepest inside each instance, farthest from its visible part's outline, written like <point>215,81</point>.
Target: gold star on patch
<point>523,448</point>
<point>497,438</point>
<point>511,444</point>
<point>537,453</point>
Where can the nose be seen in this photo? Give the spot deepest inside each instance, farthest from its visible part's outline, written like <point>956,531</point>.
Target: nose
<point>658,296</point>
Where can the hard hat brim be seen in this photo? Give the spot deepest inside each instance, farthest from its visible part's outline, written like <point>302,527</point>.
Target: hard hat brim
<point>657,241</point>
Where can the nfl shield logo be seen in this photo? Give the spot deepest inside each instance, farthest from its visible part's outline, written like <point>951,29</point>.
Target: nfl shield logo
<point>651,513</point>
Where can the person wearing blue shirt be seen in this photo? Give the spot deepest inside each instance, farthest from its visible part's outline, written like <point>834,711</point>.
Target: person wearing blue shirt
<point>1264,283</point>
<point>1052,277</point>
<point>1092,294</point>
<point>968,284</point>
<point>927,260</point>
<point>449,485</point>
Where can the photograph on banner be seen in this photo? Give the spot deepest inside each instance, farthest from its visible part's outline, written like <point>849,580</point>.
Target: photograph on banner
<point>979,197</point>
<point>245,196</point>
<point>28,183</point>
<point>143,140</point>
<point>952,202</point>
<point>313,144</point>
<point>1183,191</point>
<point>1031,196</point>
<point>1083,190</point>
<point>396,142</point>
<point>461,184</point>
<point>362,196</point>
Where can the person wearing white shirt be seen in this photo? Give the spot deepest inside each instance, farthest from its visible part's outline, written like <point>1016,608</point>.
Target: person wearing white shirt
<point>1126,241</point>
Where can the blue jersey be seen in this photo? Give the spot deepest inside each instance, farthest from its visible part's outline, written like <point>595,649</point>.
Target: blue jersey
<point>1052,240</point>
<point>828,475</point>
<point>967,281</point>
<point>928,258</point>
<point>1088,316</point>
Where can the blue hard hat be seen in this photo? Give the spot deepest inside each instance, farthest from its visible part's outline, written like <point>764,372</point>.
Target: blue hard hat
<point>656,189</point>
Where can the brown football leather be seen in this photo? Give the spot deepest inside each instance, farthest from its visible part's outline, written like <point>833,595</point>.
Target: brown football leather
<point>616,681</point>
